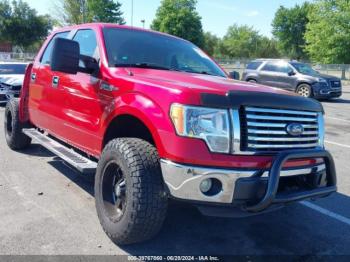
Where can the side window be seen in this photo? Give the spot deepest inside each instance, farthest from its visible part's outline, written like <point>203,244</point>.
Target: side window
<point>284,68</point>
<point>276,67</point>
<point>271,67</point>
<point>87,42</point>
<point>45,59</point>
<point>254,65</point>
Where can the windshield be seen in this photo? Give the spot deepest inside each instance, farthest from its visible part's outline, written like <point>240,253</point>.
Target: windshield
<point>304,69</point>
<point>133,48</point>
<point>12,69</point>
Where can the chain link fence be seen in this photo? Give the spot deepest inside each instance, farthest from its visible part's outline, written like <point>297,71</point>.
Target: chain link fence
<point>341,71</point>
<point>16,57</point>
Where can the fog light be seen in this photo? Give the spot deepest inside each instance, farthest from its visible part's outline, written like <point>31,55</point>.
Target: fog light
<point>205,185</point>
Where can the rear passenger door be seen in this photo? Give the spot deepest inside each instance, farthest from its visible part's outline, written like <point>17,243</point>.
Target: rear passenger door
<point>275,73</point>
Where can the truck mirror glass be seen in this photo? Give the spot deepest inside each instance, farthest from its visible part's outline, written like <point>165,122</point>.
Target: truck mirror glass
<point>65,56</point>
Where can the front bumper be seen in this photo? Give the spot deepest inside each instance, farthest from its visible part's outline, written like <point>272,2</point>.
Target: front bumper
<point>6,94</point>
<point>3,93</point>
<point>254,190</point>
<point>325,92</point>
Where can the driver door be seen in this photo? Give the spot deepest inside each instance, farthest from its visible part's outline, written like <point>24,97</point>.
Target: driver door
<point>276,74</point>
<point>81,107</point>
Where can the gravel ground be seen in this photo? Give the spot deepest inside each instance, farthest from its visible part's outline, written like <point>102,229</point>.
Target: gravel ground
<point>48,209</point>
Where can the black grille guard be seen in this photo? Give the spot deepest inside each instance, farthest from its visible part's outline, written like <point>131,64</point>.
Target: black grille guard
<point>271,196</point>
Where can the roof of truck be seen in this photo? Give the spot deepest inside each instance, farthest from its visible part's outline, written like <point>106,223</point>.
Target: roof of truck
<point>111,25</point>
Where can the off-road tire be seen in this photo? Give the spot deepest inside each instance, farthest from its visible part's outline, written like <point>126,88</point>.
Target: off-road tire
<point>304,90</point>
<point>15,138</point>
<point>146,201</point>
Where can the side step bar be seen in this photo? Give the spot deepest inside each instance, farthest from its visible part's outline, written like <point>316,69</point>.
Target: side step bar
<point>83,164</point>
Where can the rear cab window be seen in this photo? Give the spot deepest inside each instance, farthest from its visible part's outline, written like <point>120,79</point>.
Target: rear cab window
<point>254,65</point>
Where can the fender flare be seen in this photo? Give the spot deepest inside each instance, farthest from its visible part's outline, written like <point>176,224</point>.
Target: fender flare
<point>141,107</point>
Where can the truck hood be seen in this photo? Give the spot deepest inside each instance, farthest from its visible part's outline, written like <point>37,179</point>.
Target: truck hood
<point>329,78</point>
<point>315,78</point>
<point>13,80</point>
<point>197,83</point>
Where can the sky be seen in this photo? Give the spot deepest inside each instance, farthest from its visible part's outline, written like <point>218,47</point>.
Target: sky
<point>217,15</point>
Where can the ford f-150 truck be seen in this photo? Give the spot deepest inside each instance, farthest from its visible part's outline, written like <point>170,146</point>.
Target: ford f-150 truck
<point>155,119</point>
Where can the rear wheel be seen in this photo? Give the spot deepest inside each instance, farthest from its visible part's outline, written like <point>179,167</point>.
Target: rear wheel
<point>15,138</point>
<point>130,198</point>
<point>304,90</point>
<point>252,81</point>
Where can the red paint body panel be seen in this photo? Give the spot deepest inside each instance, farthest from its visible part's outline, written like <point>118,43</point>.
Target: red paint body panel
<point>23,103</point>
<point>79,112</point>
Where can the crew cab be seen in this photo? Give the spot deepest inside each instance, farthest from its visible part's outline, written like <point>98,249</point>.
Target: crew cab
<point>154,118</point>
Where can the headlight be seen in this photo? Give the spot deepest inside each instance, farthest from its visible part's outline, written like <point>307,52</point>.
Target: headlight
<point>323,81</point>
<point>321,130</point>
<point>210,124</point>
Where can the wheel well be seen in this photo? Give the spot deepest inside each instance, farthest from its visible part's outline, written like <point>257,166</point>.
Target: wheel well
<point>127,126</point>
<point>303,83</point>
<point>251,78</point>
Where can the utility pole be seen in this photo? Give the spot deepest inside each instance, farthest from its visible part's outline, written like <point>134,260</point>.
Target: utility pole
<point>143,21</point>
<point>132,12</point>
<point>82,6</point>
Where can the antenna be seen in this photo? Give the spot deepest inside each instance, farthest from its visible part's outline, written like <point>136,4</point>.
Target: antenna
<point>132,12</point>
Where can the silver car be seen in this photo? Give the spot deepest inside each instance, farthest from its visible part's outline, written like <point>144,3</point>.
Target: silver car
<point>293,76</point>
<point>11,79</point>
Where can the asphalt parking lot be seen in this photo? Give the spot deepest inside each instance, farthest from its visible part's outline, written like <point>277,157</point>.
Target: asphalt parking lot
<point>48,208</point>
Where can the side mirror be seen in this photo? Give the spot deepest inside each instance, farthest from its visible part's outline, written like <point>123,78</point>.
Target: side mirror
<point>234,75</point>
<point>65,56</point>
<point>291,73</point>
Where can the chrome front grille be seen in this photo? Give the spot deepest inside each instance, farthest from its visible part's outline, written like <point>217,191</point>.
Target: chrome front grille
<point>335,84</point>
<point>265,129</point>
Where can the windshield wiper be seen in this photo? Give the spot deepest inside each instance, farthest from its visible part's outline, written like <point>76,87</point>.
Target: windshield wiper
<point>144,65</point>
<point>158,67</point>
<point>205,73</point>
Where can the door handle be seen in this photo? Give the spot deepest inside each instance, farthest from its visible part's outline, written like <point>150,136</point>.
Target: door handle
<point>55,81</point>
<point>33,77</point>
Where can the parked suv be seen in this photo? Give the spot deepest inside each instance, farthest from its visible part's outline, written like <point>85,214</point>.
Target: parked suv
<point>154,118</point>
<point>293,76</point>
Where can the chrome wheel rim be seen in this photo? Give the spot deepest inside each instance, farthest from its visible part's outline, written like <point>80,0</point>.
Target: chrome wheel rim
<point>304,91</point>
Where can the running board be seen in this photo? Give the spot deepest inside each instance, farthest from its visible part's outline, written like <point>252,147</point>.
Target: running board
<point>81,163</point>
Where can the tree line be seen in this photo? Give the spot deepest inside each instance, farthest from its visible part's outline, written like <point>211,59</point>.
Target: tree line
<point>317,31</point>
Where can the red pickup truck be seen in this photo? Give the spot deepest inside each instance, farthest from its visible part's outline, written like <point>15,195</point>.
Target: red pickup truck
<point>154,118</point>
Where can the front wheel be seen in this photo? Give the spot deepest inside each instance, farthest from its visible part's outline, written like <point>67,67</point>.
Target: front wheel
<point>129,191</point>
<point>304,90</point>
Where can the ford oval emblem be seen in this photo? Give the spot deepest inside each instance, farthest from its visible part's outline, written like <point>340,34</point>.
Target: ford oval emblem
<point>295,129</point>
